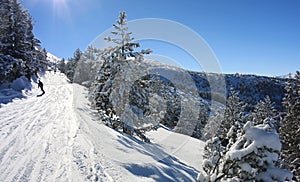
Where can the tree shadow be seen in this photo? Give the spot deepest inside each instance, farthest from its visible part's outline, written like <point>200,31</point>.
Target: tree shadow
<point>165,167</point>
<point>8,95</point>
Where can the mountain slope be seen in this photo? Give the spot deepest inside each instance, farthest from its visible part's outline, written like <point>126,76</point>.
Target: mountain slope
<point>56,137</point>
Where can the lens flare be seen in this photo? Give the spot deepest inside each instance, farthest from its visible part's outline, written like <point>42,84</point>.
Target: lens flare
<point>61,9</point>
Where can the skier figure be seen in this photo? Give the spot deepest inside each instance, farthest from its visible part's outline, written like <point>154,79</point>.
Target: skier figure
<point>40,85</point>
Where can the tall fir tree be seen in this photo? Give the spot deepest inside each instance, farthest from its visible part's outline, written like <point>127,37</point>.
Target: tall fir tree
<point>290,130</point>
<point>87,67</point>
<point>264,109</point>
<point>114,57</point>
<point>229,131</point>
<point>234,117</point>
<point>72,64</point>
<point>124,40</point>
<point>19,50</point>
<point>6,28</point>
<point>61,65</point>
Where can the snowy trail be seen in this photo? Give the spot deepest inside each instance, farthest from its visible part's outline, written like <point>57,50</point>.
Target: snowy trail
<point>37,134</point>
<point>57,137</point>
<point>54,137</point>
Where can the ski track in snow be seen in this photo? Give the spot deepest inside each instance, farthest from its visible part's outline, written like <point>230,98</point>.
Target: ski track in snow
<point>37,137</point>
<point>56,137</point>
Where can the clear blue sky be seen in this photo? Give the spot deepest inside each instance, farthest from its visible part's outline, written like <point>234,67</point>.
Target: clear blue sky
<point>247,36</point>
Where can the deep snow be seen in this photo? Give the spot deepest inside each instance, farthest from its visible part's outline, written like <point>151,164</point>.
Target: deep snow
<point>57,137</point>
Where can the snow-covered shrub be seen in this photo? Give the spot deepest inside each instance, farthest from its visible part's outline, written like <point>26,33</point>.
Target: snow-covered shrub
<point>244,151</point>
<point>213,153</point>
<point>253,157</point>
<point>20,84</point>
<point>10,68</point>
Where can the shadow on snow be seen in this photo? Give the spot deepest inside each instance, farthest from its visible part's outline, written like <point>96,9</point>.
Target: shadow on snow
<point>165,167</point>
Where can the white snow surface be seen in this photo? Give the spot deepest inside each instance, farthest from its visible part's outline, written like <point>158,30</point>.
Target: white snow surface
<point>57,137</point>
<point>52,58</point>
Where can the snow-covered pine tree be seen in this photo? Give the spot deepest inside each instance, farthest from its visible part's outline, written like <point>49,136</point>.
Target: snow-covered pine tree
<point>72,64</point>
<point>212,156</point>
<point>113,60</point>
<point>91,53</point>
<point>252,157</point>
<point>230,128</point>
<point>18,46</point>
<point>124,41</point>
<point>10,66</point>
<point>290,130</point>
<point>61,65</point>
<point>211,128</point>
<point>265,109</point>
<point>6,33</point>
<point>234,118</point>
<point>87,67</point>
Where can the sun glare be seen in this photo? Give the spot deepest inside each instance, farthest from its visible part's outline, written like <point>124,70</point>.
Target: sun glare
<point>60,8</point>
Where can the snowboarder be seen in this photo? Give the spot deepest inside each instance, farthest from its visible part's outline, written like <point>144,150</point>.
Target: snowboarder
<point>40,85</point>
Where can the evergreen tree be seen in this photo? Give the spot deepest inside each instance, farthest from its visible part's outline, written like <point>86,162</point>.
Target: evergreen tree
<point>62,65</point>
<point>249,153</point>
<point>229,131</point>
<point>113,60</point>
<point>265,109</point>
<point>6,28</point>
<point>252,157</point>
<point>72,64</point>
<point>77,55</point>
<point>91,53</point>
<point>290,130</point>
<point>87,67</point>
<point>212,156</point>
<point>122,38</point>
<point>234,118</point>
<point>19,49</point>
<point>211,128</point>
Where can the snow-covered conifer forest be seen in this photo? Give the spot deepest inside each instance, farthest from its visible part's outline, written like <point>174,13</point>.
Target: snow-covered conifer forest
<point>114,115</point>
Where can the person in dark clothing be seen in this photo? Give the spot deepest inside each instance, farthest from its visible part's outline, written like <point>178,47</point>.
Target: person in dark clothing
<point>40,85</point>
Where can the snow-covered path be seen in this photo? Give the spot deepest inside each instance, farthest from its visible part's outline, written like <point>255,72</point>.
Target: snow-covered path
<point>56,137</point>
<point>37,134</point>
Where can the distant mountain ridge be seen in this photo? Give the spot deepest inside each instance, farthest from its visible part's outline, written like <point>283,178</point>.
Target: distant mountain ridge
<point>251,88</point>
